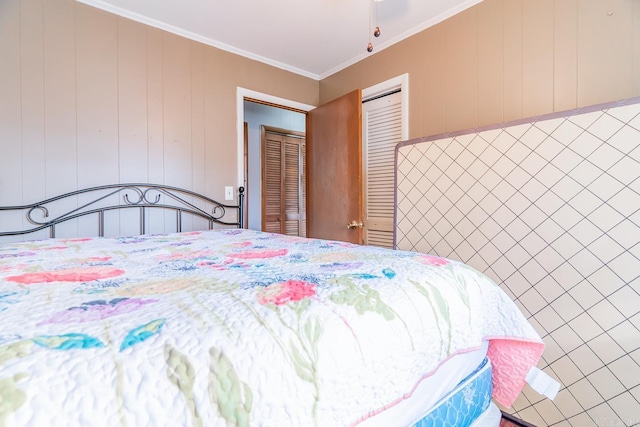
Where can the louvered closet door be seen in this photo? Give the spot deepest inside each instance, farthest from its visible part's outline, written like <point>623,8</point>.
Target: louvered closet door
<point>382,124</point>
<point>283,185</point>
<point>272,183</point>
<point>292,186</point>
<point>303,189</point>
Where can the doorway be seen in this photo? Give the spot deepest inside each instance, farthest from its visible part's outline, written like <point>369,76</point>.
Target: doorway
<point>346,135</point>
<point>257,115</point>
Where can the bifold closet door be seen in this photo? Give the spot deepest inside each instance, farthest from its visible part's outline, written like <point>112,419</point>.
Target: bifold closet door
<point>283,185</point>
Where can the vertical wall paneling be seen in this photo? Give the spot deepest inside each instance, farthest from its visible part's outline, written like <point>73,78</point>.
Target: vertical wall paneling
<point>565,55</point>
<point>89,98</point>
<point>636,48</point>
<point>604,39</point>
<point>461,64</point>
<point>537,57</point>
<point>512,54</point>
<point>560,237</point>
<point>198,168</point>
<point>218,138</point>
<point>97,109</point>
<point>32,100</point>
<point>176,66</point>
<point>572,53</point>
<point>132,113</point>
<point>132,101</point>
<point>490,62</point>
<point>10,112</point>
<point>60,89</point>
<point>97,85</point>
<point>212,122</point>
<point>155,120</point>
<point>432,75</point>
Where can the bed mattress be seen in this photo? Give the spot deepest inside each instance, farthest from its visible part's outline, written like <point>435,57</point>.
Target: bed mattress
<point>236,327</point>
<point>431,391</point>
<point>465,403</point>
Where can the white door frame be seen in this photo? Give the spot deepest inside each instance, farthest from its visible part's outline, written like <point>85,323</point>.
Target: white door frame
<point>243,93</point>
<point>401,82</point>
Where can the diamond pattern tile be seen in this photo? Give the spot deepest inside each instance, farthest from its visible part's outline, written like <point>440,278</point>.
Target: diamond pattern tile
<point>569,405</point>
<point>585,294</point>
<point>603,414</point>
<point>585,393</point>
<point>585,326</point>
<point>606,315</point>
<point>586,358</point>
<point>606,281</point>
<point>606,383</point>
<point>626,336</point>
<point>626,201</point>
<point>627,408</point>
<point>605,217</point>
<point>605,187</point>
<point>566,370</point>
<point>606,126</point>
<point>624,139</point>
<point>627,371</point>
<point>568,131</point>
<point>551,211</point>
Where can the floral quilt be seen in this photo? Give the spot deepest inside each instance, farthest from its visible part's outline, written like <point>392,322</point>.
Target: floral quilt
<point>237,327</point>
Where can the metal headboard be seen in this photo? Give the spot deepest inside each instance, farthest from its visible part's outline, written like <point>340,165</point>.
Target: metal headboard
<point>134,196</point>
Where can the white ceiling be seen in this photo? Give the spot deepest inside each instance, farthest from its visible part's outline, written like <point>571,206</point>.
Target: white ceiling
<point>314,38</point>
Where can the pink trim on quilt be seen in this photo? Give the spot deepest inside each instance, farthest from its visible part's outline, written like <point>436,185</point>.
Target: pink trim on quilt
<point>511,360</point>
<point>507,377</point>
<point>410,393</point>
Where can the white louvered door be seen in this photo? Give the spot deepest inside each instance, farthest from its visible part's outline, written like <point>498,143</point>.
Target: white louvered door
<point>382,127</point>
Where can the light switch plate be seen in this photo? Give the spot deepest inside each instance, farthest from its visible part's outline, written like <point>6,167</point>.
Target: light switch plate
<point>228,192</point>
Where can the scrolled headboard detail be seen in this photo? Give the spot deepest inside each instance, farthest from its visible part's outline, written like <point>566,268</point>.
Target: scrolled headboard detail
<point>98,200</point>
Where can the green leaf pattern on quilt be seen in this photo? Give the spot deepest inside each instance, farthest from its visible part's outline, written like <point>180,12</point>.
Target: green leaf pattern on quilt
<point>11,397</point>
<point>362,298</point>
<point>15,350</point>
<point>232,397</point>
<point>439,307</point>
<point>181,374</point>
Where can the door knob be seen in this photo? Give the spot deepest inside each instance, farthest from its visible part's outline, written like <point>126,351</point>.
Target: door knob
<point>355,224</point>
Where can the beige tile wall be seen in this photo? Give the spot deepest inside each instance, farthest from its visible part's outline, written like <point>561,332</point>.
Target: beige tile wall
<point>549,208</point>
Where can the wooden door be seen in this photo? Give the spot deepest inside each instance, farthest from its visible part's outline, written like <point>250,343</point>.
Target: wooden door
<point>283,183</point>
<point>334,169</point>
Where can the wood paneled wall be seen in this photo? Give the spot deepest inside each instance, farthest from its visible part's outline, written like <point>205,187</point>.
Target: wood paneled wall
<point>90,98</point>
<point>503,60</point>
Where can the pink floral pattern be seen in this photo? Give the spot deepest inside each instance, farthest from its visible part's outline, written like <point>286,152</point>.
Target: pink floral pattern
<point>68,275</point>
<point>255,254</point>
<point>286,292</point>
<point>433,260</point>
<point>186,255</point>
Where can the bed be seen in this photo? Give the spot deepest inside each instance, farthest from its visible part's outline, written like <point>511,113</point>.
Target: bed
<point>228,326</point>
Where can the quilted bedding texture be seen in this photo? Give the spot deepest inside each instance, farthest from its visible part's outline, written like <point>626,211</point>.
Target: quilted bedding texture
<point>238,327</point>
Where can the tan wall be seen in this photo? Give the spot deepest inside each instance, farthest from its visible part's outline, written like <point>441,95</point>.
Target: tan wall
<point>507,59</point>
<point>89,98</point>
